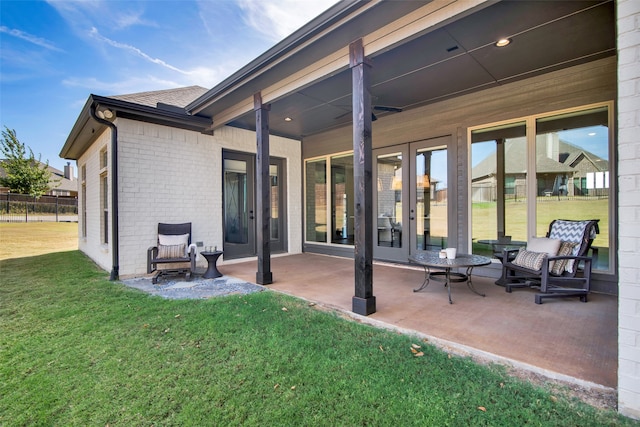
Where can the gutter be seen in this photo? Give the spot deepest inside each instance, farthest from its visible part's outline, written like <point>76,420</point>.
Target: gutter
<point>115,243</point>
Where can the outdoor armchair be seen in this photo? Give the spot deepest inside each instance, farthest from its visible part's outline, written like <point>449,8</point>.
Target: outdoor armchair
<point>557,265</point>
<point>174,250</point>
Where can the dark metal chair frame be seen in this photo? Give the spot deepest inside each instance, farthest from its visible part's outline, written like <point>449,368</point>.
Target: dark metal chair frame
<point>152,254</point>
<point>550,285</point>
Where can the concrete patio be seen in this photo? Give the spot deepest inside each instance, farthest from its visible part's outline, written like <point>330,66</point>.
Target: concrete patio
<point>563,338</point>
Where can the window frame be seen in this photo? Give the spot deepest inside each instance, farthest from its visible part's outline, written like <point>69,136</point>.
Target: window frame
<point>531,209</point>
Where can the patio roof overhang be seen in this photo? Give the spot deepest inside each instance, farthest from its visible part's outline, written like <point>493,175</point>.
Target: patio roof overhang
<point>421,52</point>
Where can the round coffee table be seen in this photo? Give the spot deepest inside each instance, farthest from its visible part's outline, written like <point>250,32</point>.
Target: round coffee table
<point>432,260</point>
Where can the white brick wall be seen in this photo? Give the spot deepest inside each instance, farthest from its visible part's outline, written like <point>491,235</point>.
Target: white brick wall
<point>174,175</point>
<point>92,243</point>
<point>628,21</point>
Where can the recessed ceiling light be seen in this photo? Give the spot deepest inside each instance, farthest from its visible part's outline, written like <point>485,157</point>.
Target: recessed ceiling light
<point>591,134</point>
<point>287,119</point>
<point>503,42</point>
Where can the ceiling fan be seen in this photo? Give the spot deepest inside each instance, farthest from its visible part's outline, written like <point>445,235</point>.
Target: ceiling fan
<point>376,108</point>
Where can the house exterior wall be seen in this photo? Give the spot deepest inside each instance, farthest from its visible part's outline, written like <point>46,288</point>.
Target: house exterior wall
<point>628,19</point>
<point>581,85</point>
<point>173,175</point>
<point>91,244</point>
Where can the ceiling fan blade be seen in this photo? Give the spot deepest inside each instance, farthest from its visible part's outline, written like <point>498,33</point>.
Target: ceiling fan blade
<point>373,116</point>
<point>386,108</point>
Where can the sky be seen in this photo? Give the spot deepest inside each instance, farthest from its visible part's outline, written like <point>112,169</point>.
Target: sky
<point>55,53</point>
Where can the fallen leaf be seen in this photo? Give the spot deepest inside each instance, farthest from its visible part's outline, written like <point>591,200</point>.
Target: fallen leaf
<point>284,309</point>
<point>420,354</point>
<point>167,330</point>
<point>311,304</point>
<point>413,350</point>
<point>293,387</point>
<point>501,385</point>
<point>482,408</point>
<point>176,316</point>
<point>381,349</point>
<point>449,356</point>
<point>415,346</point>
<point>276,386</point>
<point>146,325</point>
<point>554,399</point>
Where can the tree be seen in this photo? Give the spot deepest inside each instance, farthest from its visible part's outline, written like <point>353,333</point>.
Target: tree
<point>23,173</point>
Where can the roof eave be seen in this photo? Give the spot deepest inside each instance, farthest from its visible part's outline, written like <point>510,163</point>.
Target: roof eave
<point>80,137</point>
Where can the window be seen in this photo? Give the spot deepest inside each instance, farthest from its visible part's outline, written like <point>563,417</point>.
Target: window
<point>342,199</point>
<point>104,158</point>
<point>522,180</point>
<point>104,207</point>
<point>316,200</point>
<point>572,172</point>
<point>498,184</point>
<point>83,177</point>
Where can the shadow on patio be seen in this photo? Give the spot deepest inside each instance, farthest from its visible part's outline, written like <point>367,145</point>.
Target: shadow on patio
<point>563,336</point>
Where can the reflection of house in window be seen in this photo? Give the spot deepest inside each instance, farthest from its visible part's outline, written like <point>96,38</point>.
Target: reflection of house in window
<point>563,169</point>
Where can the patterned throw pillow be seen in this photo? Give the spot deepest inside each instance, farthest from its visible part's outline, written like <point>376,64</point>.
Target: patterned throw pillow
<point>566,248</point>
<point>171,251</point>
<point>530,260</point>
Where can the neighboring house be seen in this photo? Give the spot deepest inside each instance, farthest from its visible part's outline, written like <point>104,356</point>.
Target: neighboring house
<point>61,183</point>
<point>406,90</point>
<point>566,173</point>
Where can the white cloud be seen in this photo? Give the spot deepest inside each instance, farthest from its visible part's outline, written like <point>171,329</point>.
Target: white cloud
<point>203,76</point>
<point>132,49</point>
<point>276,19</point>
<point>38,41</point>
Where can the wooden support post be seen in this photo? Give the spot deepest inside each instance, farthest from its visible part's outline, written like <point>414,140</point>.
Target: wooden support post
<point>263,192</point>
<point>363,302</point>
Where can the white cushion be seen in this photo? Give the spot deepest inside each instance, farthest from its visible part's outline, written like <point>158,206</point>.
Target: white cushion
<point>544,244</point>
<point>174,239</point>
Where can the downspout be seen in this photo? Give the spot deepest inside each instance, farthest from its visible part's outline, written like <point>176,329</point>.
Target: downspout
<point>115,256</point>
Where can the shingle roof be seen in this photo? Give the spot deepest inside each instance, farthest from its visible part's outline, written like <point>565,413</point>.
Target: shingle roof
<point>179,97</point>
<point>517,161</point>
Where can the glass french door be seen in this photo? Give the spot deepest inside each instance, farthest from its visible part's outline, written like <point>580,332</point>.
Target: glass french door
<point>411,199</point>
<point>239,209</point>
<point>239,205</point>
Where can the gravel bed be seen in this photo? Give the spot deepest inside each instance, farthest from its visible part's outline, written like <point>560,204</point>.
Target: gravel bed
<point>196,288</point>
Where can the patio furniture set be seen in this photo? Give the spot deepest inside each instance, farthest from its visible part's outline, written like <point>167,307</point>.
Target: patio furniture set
<point>556,265</point>
<point>174,249</point>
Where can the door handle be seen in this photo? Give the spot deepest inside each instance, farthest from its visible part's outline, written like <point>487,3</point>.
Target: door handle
<point>251,215</point>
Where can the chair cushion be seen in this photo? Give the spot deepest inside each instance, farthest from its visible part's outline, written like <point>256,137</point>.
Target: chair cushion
<point>173,239</point>
<point>566,248</point>
<point>529,259</point>
<point>172,251</point>
<point>544,244</point>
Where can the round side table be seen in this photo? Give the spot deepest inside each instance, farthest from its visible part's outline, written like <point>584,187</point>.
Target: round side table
<point>212,269</point>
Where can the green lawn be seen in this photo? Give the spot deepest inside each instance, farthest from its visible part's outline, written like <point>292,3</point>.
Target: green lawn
<point>76,349</point>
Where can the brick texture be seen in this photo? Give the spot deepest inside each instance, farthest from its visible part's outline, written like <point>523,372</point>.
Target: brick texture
<point>628,21</point>
<point>173,175</point>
